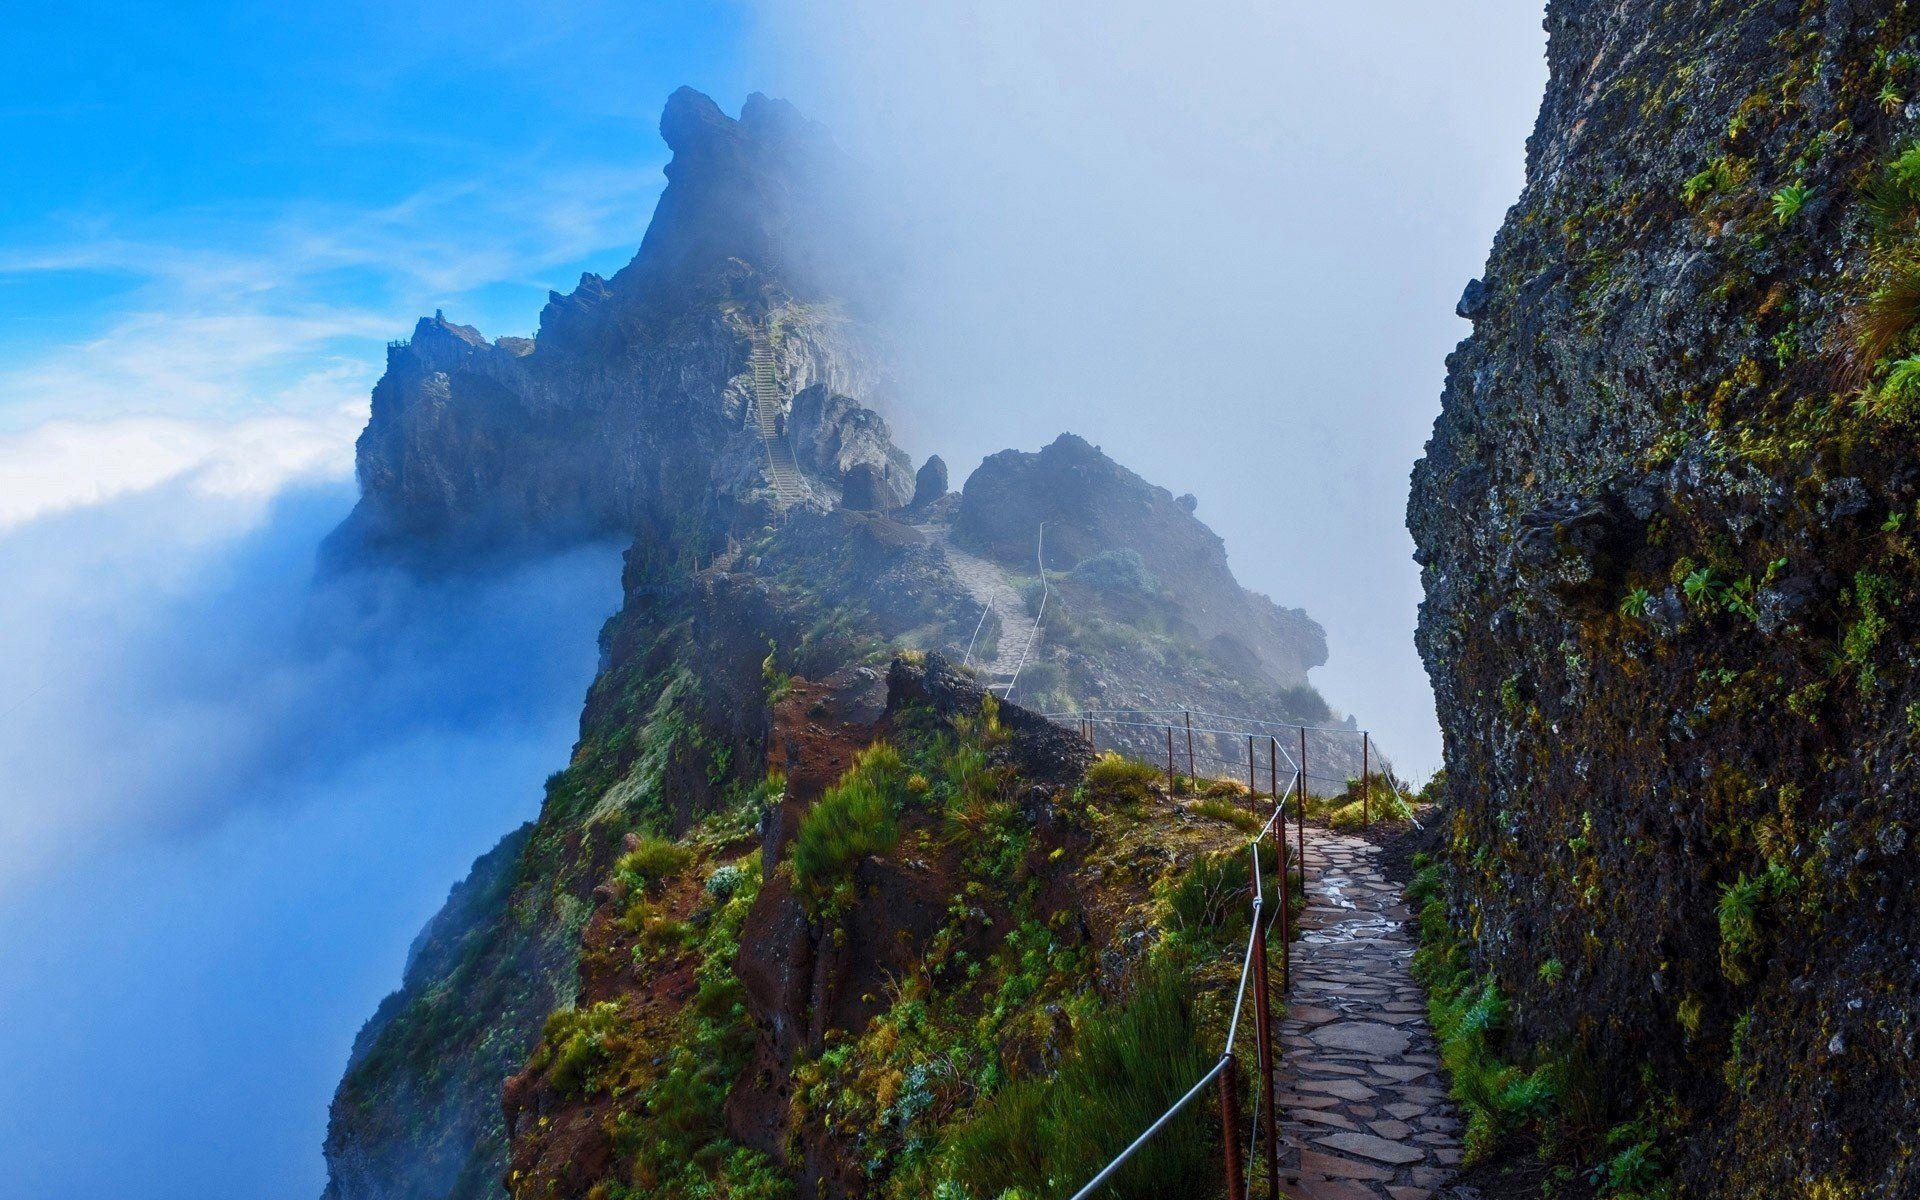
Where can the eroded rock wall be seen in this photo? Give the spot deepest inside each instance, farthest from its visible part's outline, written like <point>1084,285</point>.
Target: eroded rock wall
<point>1665,523</point>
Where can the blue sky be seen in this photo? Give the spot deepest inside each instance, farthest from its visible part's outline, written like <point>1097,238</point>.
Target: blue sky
<point>222,209</point>
<point>232,797</point>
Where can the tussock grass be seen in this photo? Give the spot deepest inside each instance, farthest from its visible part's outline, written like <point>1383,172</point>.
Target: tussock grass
<point>651,862</point>
<point>856,817</point>
<point>1118,780</point>
<point>1044,1138</point>
<point>1230,812</point>
<point>1891,313</point>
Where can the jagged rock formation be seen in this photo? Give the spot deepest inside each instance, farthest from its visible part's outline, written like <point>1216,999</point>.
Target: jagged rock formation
<point>713,403</point>
<point>637,407</point>
<point>930,483</point>
<point>1666,526</point>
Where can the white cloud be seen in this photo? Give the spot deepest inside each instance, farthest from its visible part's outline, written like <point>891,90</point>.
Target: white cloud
<point>287,310</point>
<point>1224,240</point>
<point>61,465</point>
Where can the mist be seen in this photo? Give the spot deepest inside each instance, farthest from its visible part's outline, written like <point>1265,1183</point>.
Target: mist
<point>1223,241</point>
<point>233,792</point>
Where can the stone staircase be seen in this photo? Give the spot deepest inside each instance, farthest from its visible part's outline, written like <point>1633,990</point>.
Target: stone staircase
<point>783,473</point>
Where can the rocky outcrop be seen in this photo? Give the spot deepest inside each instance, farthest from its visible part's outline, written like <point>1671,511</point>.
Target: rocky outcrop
<point>1093,506</point>
<point>930,483</point>
<point>1665,526</point>
<point>632,410</point>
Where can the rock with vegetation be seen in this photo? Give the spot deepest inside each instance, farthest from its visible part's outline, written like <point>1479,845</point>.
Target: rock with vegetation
<point>910,963</point>
<point>635,406</point>
<point>1666,524</point>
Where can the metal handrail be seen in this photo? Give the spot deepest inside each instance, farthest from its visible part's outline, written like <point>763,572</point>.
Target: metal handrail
<point>977,627</point>
<point>1239,1005</point>
<point>1063,714</point>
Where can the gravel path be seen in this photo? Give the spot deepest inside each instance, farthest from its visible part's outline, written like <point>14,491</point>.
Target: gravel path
<point>1364,1109</point>
<point>988,585</point>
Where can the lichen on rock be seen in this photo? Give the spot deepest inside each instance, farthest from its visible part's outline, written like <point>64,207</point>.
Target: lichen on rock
<point>1664,530</point>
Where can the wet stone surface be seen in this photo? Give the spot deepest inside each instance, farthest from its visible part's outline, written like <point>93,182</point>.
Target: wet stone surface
<point>1364,1110</point>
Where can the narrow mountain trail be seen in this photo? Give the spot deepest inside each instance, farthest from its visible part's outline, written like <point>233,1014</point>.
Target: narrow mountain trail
<point>1363,1107</point>
<point>988,585</point>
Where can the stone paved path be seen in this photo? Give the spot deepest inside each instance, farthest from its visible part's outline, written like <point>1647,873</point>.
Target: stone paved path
<point>1363,1107</point>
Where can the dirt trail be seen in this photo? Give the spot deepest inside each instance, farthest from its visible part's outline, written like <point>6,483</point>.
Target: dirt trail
<point>987,583</point>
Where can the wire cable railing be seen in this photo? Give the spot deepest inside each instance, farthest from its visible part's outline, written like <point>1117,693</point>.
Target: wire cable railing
<point>1262,1132</point>
<point>1131,728</point>
<point>1040,561</point>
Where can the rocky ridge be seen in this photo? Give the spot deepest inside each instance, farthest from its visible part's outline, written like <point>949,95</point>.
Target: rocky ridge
<point>637,412</point>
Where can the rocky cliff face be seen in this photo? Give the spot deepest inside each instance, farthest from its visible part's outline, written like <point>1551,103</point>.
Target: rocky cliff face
<point>635,407</point>
<point>1666,525</point>
<point>633,994</point>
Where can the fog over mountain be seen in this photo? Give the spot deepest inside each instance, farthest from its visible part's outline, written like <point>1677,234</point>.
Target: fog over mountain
<point>1223,241</point>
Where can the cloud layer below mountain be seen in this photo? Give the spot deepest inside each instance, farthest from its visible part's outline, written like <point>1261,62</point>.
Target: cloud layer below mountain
<point>233,790</point>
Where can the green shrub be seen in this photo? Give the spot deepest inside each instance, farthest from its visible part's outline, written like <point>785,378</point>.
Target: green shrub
<point>858,816</point>
<point>1047,1137</point>
<point>1120,780</point>
<point>1120,571</point>
<point>652,861</point>
<point>1343,810</point>
<point>576,1043</point>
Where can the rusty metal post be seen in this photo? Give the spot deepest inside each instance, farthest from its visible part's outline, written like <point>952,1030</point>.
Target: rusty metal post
<point>1366,783</point>
<point>1286,905</point>
<point>1191,773</point>
<point>1273,776</point>
<point>1261,1011</point>
<point>1170,788</point>
<point>1301,814</point>
<point>1230,1130</point>
<point>1253,787</point>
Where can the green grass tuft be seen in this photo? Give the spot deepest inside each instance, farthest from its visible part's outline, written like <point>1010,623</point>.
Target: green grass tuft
<point>857,817</point>
<point>652,861</point>
<point>1043,1137</point>
<point>1118,780</point>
